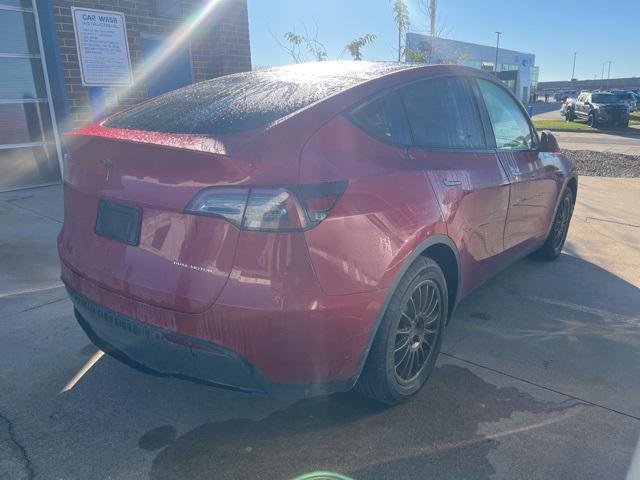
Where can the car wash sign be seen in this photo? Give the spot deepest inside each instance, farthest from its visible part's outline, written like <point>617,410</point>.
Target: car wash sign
<point>103,50</point>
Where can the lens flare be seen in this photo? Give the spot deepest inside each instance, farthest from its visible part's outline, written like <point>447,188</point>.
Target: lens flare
<point>175,40</point>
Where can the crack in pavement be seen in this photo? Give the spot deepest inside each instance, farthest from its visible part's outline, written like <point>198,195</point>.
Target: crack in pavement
<point>35,212</point>
<point>617,222</point>
<point>17,452</point>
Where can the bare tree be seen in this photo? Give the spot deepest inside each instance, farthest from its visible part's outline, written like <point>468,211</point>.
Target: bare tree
<point>300,46</point>
<point>402,21</point>
<point>436,27</point>
<point>354,47</point>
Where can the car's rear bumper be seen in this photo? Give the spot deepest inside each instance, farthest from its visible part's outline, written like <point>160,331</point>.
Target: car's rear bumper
<point>161,352</point>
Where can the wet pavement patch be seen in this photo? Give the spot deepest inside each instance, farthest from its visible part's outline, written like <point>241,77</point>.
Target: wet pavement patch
<point>434,435</point>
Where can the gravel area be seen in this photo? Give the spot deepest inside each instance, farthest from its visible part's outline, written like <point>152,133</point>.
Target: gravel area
<point>604,164</point>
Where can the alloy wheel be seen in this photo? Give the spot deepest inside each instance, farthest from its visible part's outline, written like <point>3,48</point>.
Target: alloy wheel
<point>417,331</point>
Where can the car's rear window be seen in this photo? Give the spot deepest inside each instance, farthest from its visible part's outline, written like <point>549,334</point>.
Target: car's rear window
<point>246,101</point>
<point>624,96</point>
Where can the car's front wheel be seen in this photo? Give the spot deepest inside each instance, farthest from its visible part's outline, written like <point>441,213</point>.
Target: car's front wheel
<point>408,340</point>
<point>591,120</point>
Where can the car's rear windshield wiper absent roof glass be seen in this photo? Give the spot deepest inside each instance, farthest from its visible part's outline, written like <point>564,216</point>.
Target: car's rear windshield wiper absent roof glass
<point>246,101</point>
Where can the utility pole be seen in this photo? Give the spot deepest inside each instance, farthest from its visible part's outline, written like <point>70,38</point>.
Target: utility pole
<point>609,73</point>
<point>433,24</point>
<point>495,65</point>
<point>573,72</point>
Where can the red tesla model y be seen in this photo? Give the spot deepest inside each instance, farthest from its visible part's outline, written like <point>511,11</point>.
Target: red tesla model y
<point>305,229</point>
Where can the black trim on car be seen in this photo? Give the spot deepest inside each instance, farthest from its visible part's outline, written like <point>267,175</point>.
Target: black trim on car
<point>164,353</point>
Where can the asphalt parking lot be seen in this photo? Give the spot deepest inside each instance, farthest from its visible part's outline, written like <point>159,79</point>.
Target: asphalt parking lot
<point>538,378</point>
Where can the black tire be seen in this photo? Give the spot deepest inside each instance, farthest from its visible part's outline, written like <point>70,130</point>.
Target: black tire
<point>558,234</point>
<point>625,124</point>
<point>591,121</point>
<point>384,377</point>
<point>569,115</point>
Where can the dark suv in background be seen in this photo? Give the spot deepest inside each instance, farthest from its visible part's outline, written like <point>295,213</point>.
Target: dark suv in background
<point>598,108</point>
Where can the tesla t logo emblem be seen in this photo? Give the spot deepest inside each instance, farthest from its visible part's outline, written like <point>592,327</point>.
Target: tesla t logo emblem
<point>106,163</point>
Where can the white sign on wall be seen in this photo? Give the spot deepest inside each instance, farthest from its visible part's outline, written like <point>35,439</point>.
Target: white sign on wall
<point>103,50</point>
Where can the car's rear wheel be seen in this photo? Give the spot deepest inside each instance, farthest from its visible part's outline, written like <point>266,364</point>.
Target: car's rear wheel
<point>568,115</point>
<point>558,234</point>
<point>408,340</point>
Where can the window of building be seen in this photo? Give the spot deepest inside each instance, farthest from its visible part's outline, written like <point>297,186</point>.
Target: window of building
<point>442,113</point>
<point>29,150</point>
<point>510,126</point>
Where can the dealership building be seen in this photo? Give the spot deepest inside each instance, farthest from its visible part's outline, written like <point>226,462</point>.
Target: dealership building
<point>64,63</point>
<point>516,69</point>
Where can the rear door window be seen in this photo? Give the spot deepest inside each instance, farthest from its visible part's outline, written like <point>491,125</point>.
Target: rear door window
<point>442,113</point>
<point>382,118</point>
<point>511,128</point>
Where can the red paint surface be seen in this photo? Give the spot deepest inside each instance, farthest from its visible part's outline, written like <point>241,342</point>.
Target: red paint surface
<point>300,306</point>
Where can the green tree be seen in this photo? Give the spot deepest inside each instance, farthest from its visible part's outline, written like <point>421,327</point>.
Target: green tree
<point>299,43</point>
<point>415,56</point>
<point>354,47</point>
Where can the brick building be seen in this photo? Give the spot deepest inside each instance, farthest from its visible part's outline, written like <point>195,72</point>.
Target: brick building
<point>169,43</point>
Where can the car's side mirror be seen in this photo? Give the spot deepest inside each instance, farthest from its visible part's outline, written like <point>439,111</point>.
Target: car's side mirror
<point>548,142</point>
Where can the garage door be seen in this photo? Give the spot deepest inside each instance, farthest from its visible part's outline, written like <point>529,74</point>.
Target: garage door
<point>29,144</point>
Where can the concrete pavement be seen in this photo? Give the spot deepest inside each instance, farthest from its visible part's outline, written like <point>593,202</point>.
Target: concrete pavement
<point>599,142</point>
<point>537,380</point>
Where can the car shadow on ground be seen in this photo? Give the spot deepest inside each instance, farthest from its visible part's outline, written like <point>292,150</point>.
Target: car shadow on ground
<point>436,431</point>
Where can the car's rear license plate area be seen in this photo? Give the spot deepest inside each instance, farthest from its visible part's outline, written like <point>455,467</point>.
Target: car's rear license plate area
<point>119,222</point>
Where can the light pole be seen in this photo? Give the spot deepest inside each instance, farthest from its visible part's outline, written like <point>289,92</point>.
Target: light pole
<point>609,73</point>
<point>495,66</point>
<point>573,72</point>
<point>602,76</point>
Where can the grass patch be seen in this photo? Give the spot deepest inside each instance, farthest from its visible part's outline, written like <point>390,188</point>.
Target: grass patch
<point>560,125</point>
<point>634,117</point>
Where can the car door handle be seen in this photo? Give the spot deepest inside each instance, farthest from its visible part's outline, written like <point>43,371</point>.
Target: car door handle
<point>451,183</point>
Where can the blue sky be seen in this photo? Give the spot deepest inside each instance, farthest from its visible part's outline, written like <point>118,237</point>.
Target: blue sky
<point>551,29</point>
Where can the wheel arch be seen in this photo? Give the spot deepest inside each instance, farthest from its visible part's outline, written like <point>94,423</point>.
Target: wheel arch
<point>442,250</point>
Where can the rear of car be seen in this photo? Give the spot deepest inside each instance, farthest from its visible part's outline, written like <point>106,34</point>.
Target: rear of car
<point>184,244</point>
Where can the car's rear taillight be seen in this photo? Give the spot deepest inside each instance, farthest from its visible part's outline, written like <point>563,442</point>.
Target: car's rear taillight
<point>292,208</point>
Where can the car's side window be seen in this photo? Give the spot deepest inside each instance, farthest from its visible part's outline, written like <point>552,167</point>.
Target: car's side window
<point>510,126</point>
<point>443,113</point>
<point>382,118</point>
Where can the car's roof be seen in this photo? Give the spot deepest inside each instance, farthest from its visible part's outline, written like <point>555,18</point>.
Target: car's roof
<point>231,112</point>
<point>247,100</point>
<point>330,71</point>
